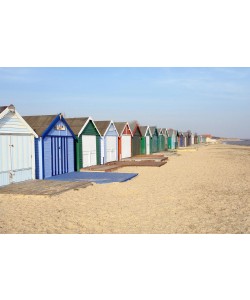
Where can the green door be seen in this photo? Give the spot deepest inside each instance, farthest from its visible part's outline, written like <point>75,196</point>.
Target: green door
<point>143,145</point>
<point>169,143</point>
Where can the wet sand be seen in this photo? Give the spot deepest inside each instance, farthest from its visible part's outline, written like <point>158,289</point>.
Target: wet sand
<point>204,191</point>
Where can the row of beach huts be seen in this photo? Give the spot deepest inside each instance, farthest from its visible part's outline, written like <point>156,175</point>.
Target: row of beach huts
<point>39,147</point>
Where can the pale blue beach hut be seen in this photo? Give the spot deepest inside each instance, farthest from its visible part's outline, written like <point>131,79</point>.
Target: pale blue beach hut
<point>109,141</point>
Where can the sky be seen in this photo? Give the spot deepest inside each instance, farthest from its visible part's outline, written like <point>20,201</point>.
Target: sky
<point>204,100</point>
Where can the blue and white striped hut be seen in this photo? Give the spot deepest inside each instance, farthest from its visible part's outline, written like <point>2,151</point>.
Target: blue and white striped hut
<point>17,151</point>
<point>54,146</point>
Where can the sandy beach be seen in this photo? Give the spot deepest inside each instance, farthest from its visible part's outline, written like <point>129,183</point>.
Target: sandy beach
<point>203,191</point>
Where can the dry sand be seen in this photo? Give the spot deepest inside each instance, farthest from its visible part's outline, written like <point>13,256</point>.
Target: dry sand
<point>204,191</point>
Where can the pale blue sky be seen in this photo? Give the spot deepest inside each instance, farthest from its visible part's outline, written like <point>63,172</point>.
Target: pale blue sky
<point>205,100</point>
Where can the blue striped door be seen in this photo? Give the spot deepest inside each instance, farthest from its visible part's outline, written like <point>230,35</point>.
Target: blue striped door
<point>59,155</point>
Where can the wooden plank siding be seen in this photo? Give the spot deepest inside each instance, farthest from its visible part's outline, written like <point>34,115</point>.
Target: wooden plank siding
<point>155,146</point>
<point>55,151</point>
<point>88,130</point>
<point>136,142</point>
<point>17,147</point>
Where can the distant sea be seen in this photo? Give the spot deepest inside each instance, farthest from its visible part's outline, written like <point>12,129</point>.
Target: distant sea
<point>239,143</point>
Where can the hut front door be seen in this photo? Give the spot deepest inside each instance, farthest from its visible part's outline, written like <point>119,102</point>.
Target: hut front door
<point>155,143</point>
<point>16,163</point>
<point>21,157</point>
<point>147,144</point>
<point>111,148</point>
<point>126,146</point>
<point>59,155</point>
<point>88,150</point>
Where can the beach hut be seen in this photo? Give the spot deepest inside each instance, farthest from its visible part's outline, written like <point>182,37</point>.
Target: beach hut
<point>17,147</point>
<point>154,139</point>
<point>185,139</point>
<point>145,140</point>
<point>195,138</point>
<point>176,133</point>
<point>200,139</point>
<point>136,138</point>
<point>124,140</point>
<point>87,143</point>
<point>165,134</point>
<point>171,139</point>
<point>109,141</point>
<point>181,139</point>
<point>161,140</point>
<point>190,138</point>
<point>54,146</point>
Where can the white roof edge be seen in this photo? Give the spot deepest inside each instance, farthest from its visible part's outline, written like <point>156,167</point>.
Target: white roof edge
<point>85,124</point>
<point>7,110</point>
<point>148,129</point>
<point>4,112</point>
<point>127,123</point>
<point>111,122</point>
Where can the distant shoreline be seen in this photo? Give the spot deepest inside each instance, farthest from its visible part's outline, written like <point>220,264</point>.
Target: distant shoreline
<point>240,142</point>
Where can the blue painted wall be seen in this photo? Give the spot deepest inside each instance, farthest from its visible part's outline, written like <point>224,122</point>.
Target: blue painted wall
<point>38,158</point>
<point>55,132</point>
<point>47,157</point>
<point>71,155</point>
<point>49,161</point>
<point>111,132</point>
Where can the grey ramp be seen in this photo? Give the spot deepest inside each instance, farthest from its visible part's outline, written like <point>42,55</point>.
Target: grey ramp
<point>97,177</point>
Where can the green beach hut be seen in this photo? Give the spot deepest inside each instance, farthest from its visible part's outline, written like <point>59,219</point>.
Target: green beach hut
<point>154,139</point>
<point>145,140</point>
<point>161,140</point>
<point>87,145</point>
<point>165,134</point>
<point>136,138</point>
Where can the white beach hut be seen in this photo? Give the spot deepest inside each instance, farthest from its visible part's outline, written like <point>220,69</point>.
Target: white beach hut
<point>17,151</point>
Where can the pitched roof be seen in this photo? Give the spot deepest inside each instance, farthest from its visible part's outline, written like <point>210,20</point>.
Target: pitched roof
<point>170,131</point>
<point>160,131</point>
<point>144,130</point>
<point>120,126</point>
<point>164,131</point>
<point>102,126</point>
<point>153,129</point>
<point>2,108</point>
<point>76,124</point>
<point>39,123</point>
<point>133,125</point>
